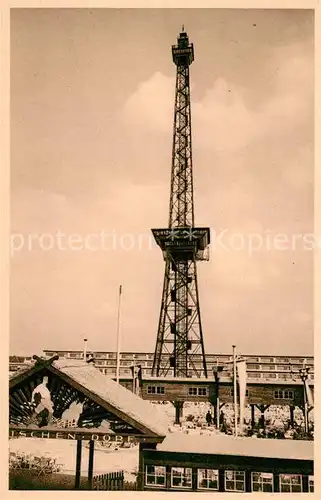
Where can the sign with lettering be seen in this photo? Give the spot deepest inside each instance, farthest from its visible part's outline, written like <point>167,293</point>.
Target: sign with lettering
<point>76,434</point>
<point>52,433</point>
<point>182,51</point>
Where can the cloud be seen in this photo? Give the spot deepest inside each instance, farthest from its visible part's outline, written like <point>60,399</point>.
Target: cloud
<point>222,120</point>
<point>110,159</point>
<point>150,107</point>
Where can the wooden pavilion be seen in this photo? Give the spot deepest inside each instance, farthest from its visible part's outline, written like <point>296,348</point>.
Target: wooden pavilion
<point>71,399</point>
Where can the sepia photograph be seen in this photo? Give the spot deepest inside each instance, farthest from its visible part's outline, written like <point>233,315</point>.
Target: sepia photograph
<point>162,250</point>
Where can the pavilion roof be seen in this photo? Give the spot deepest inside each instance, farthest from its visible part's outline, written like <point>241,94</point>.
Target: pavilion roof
<point>89,380</point>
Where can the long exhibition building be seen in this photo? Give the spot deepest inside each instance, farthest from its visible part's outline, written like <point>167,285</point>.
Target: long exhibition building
<point>267,367</point>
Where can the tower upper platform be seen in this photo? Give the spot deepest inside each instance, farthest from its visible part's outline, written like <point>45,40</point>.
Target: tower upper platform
<point>183,243</point>
<point>183,52</point>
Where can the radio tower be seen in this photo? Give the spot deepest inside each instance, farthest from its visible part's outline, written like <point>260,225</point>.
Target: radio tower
<point>180,339</point>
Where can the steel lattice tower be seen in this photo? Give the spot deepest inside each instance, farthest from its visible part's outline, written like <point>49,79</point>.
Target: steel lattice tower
<point>180,340</point>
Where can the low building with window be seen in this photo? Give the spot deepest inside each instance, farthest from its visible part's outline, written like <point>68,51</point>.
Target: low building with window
<point>188,462</point>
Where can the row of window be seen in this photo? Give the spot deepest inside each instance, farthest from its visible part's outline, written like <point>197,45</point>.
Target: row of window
<point>192,391</point>
<point>262,359</point>
<point>126,371</point>
<point>108,367</point>
<point>210,358</point>
<point>256,375</point>
<point>208,479</point>
<point>149,364</point>
<point>251,366</point>
<point>155,389</point>
<point>283,394</point>
<point>202,391</point>
<point>281,368</point>
<point>197,391</point>
<point>100,355</point>
<point>131,356</point>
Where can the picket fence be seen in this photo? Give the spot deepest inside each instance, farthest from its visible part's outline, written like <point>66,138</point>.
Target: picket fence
<point>112,481</point>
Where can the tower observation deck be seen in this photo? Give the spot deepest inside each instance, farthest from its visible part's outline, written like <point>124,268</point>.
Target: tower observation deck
<point>180,339</point>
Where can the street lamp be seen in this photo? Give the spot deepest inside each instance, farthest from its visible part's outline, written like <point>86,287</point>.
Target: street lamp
<point>85,349</point>
<point>235,390</point>
<point>304,375</point>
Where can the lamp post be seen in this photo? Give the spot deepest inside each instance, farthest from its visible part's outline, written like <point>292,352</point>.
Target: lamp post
<point>118,336</point>
<point>85,349</point>
<point>235,391</point>
<point>304,375</point>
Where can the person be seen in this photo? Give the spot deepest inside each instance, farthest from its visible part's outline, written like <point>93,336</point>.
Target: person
<point>90,358</point>
<point>208,418</point>
<point>44,406</point>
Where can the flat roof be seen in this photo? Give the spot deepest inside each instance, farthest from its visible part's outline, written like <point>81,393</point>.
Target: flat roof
<point>218,444</point>
<point>223,380</point>
<point>299,356</point>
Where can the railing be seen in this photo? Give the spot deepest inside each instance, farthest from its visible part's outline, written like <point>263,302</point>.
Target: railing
<point>110,481</point>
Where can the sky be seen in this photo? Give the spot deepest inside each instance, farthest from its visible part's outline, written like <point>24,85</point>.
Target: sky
<point>92,96</point>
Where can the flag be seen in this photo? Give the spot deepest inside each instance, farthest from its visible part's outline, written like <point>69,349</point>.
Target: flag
<point>241,371</point>
<point>308,393</point>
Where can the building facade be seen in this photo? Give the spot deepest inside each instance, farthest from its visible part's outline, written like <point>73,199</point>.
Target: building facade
<point>267,367</point>
<point>224,464</point>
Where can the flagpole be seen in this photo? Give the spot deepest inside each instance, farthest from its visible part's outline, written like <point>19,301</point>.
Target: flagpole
<point>118,336</point>
<point>235,390</point>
